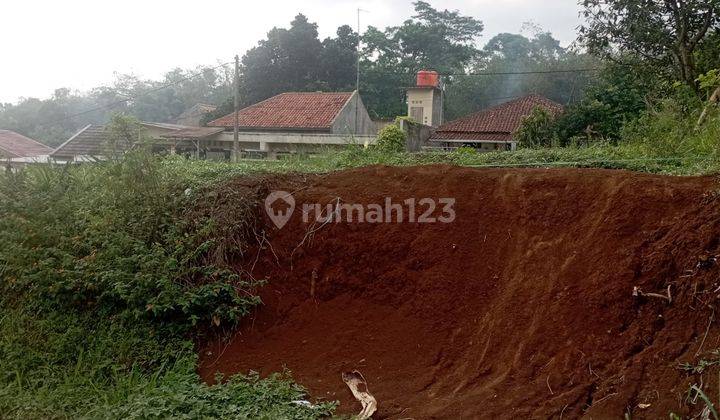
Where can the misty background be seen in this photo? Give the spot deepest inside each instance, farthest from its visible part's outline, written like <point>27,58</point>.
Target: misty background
<point>154,60</point>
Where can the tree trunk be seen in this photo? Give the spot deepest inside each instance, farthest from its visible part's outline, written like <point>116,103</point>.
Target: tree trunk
<point>687,67</point>
<point>714,98</point>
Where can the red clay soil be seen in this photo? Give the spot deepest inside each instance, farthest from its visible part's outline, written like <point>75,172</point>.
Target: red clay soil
<point>523,307</point>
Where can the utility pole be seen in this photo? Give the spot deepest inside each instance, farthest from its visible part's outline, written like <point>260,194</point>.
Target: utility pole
<point>357,52</point>
<point>357,73</point>
<point>236,87</point>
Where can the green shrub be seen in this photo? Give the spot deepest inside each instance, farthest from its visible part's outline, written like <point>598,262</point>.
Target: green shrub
<point>537,129</point>
<point>111,238</point>
<point>465,151</point>
<point>669,131</point>
<point>391,138</point>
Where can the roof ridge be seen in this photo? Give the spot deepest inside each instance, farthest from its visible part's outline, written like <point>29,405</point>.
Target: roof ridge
<point>317,93</point>
<point>66,142</point>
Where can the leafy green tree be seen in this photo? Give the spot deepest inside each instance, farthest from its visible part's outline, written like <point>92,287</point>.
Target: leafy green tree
<point>539,56</point>
<point>619,95</point>
<point>707,56</point>
<point>338,60</point>
<point>288,60</point>
<point>442,40</point>
<point>665,33</point>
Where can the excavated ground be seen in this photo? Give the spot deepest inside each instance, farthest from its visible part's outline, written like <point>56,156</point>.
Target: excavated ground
<point>523,307</point>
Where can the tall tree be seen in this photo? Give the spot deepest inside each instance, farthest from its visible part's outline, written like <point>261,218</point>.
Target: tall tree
<point>442,40</point>
<point>504,59</point>
<point>663,32</point>
<point>338,60</point>
<point>288,60</point>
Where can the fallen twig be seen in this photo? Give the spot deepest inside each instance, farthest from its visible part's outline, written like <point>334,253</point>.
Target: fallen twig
<point>637,292</point>
<point>547,381</point>
<point>311,231</point>
<point>702,343</point>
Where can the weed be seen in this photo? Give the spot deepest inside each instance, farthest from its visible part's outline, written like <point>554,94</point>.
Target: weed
<point>105,278</point>
<point>702,365</point>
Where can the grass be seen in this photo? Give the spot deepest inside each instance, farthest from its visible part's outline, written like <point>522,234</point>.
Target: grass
<point>75,366</point>
<point>606,156</point>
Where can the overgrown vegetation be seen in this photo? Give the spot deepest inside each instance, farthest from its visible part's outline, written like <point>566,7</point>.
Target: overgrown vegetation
<point>109,269</point>
<point>105,281</point>
<point>537,129</point>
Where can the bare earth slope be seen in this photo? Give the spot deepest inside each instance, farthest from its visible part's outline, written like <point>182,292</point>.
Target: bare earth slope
<point>523,307</point>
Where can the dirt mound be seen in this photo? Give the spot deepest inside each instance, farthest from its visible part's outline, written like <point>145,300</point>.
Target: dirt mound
<point>522,307</point>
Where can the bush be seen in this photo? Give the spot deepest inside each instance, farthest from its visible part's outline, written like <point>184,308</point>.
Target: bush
<point>111,238</point>
<point>618,96</point>
<point>537,129</point>
<point>391,138</point>
<point>669,130</point>
<point>106,271</point>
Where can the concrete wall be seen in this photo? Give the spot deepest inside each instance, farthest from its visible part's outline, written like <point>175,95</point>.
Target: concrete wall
<point>438,111</point>
<point>417,135</point>
<point>354,119</point>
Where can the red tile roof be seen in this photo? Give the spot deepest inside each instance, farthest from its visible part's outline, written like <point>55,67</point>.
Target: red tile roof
<point>90,141</point>
<point>15,145</point>
<point>495,123</point>
<point>293,110</point>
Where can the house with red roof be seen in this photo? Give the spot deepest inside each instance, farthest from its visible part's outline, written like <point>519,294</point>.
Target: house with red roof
<point>492,128</point>
<point>14,145</point>
<point>286,123</point>
<point>294,122</point>
<point>340,113</point>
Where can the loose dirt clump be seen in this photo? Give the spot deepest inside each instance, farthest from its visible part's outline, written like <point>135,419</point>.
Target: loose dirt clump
<point>538,301</point>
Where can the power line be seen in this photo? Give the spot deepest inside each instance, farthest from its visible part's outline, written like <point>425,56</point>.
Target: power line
<point>499,73</point>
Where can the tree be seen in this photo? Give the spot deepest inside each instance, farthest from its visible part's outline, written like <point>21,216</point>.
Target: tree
<point>513,54</point>
<point>123,132</point>
<point>618,96</point>
<point>338,60</point>
<point>288,60</point>
<point>431,39</point>
<point>666,33</point>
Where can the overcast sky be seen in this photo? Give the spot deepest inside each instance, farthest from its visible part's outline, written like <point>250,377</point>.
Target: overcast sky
<point>79,44</point>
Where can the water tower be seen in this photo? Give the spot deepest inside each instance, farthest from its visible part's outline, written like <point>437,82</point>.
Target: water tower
<point>425,99</point>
